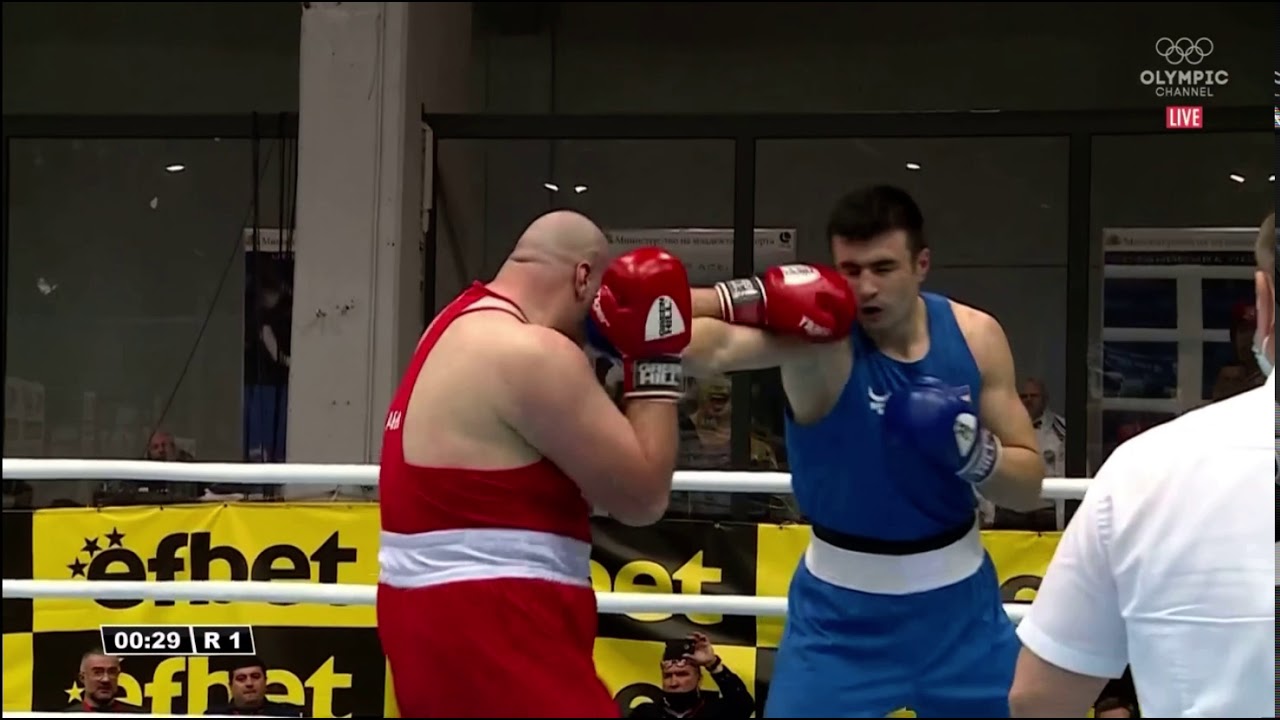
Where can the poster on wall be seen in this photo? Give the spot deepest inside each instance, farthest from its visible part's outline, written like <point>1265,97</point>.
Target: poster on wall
<point>706,409</point>
<point>1177,324</point>
<point>268,319</point>
<point>707,252</point>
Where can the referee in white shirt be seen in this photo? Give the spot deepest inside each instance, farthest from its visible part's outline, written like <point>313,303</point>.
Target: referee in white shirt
<point>1167,566</point>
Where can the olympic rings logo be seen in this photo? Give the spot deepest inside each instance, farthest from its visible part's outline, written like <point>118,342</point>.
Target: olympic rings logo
<point>1176,52</point>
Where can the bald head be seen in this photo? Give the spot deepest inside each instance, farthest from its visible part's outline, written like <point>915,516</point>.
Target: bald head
<point>554,271</point>
<point>562,237</point>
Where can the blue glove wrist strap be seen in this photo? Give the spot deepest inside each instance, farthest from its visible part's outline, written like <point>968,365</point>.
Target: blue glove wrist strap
<point>984,459</point>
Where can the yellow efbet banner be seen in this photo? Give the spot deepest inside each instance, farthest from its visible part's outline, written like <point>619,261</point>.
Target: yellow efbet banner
<point>266,542</point>
<point>328,657</point>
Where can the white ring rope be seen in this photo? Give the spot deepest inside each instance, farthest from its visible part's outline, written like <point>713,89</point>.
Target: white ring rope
<point>307,474</point>
<point>609,603</point>
<point>278,592</point>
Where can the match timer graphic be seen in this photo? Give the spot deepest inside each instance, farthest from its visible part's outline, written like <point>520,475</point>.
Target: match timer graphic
<point>124,640</point>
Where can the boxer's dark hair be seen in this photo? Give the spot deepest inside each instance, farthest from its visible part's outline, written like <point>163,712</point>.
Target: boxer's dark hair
<point>232,663</point>
<point>870,212</point>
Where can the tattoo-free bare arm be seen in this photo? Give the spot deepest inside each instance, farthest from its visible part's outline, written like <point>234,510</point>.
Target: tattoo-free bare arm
<point>718,347</point>
<point>1018,480</point>
<point>622,461</point>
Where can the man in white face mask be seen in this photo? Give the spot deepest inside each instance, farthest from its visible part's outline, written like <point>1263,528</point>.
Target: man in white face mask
<point>1264,341</point>
<point>1168,565</point>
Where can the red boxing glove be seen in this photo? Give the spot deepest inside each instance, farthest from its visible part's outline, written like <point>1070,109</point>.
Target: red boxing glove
<point>809,301</point>
<point>643,309</point>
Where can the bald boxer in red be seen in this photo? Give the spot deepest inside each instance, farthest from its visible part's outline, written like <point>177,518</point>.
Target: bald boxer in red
<point>496,446</point>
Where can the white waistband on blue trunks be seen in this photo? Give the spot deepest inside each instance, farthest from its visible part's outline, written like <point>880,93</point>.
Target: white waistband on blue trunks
<point>896,574</point>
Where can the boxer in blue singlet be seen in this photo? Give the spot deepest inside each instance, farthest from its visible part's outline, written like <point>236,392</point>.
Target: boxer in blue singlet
<point>901,407</point>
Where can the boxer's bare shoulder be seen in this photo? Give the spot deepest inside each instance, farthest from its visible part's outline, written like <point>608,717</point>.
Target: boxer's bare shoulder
<point>999,405</point>
<point>813,374</point>
<point>451,420</point>
<point>984,335</point>
<point>548,393</point>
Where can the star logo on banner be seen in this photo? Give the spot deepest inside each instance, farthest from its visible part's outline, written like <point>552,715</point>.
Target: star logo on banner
<point>75,693</point>
<point>92,548</point>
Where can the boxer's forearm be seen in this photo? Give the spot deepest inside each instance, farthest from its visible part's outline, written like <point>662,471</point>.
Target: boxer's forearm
<point>718,347</point>
<point>704,354</point>
<point>1018,480</point>
<point>706,303</point>
<point>656,426</point>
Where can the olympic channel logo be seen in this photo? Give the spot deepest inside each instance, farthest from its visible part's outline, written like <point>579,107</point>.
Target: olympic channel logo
<point>1186,76</point>
<point>1184,50</point>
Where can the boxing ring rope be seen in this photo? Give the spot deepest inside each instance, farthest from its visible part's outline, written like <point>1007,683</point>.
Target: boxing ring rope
<point>298,473</point>
<point>609,603</point>
<point>777,483</point>
<point>308,474</point>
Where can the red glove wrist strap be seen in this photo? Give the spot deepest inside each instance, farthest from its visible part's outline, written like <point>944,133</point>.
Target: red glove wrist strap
<point>742,301</point>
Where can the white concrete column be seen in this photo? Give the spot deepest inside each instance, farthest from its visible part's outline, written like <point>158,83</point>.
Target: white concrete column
<point>364,75</point>
<point>352,234</point>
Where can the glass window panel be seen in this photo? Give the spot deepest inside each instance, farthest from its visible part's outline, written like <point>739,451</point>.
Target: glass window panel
<point>1226,303</point>
<point>1161,340</point>
<point>676,194</point>
<point>1140,370</point>
<point>125,292</point>
<point>1141,303</point>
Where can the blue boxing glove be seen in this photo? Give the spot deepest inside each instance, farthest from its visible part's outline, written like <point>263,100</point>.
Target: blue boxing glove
<point>937,420</point>
<point>598,342</point>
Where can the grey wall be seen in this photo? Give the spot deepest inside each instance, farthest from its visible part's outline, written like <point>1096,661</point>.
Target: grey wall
<point>849,57</point>
<point>150,58</point>
<point>995,207</point>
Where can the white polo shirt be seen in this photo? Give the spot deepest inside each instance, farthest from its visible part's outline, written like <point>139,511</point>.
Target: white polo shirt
<point>1051,431</point>
<point>1169,567</point>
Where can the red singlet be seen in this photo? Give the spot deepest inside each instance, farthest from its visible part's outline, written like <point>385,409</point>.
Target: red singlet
<point>485,606</point>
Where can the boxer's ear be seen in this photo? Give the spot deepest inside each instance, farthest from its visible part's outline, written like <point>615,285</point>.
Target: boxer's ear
<point>582,281</point>
<point>923,260</point>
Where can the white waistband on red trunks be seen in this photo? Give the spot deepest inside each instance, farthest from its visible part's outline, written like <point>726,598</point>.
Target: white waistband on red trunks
<point>896,574</point>
<point>445,556</point>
